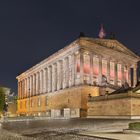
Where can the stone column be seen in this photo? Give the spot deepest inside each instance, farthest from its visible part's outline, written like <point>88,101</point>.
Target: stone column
<point>33,84</point>
<point>46,80</point>
<point>24,88</point>
<point>61,74</point>
<point>122,71</point>
<point>108,71</point>
<point>50,78</point>
<point>18,90</point>
<point>37,89</point>
<point>34,78</point>
<point>23,83</point>
<point>19,97</point>
<point>64,74</point>
<point>53,77</point>
<point>81,67</point>
<point>58,75</point>
<point>129,76</point>
<point>21,89</point>
<point>67,71</point>
<point>55,73</point>
<point>135,75</point>
<point>115,74</point>
<point>100,70</point>
<point>30,86</point>
<point>91,68</point>
<point>73,69</point>
<point>38,82</point>
<point>27,87</point>
<point>40,75</point>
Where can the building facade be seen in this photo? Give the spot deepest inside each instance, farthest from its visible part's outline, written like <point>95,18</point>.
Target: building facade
<point>60,85</point>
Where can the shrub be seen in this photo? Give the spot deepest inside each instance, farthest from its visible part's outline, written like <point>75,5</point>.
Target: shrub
<point>134,126</point>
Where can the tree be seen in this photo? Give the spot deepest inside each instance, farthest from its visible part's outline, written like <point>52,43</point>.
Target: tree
<point>2,98</point>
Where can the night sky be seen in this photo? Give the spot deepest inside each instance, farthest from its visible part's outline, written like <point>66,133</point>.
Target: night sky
<point>32,30</point>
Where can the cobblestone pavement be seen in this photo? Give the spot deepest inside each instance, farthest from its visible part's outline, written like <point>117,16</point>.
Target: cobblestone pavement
<point>57,129</point>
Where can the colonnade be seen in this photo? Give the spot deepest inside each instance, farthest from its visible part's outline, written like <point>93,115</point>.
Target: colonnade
<point>63,74</point>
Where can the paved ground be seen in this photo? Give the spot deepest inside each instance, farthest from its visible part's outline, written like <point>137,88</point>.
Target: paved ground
<point>113,135</point>
<point>61,129</point>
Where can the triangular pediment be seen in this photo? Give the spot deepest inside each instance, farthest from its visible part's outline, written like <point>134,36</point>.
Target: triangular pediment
<point>115,45</point>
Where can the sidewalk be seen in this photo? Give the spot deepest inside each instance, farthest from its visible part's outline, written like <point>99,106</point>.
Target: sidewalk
<point>112,135</point>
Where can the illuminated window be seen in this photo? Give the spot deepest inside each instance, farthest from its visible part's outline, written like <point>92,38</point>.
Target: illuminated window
<point>86,64</point>
<point>104,67</point>
<point>95,65</point>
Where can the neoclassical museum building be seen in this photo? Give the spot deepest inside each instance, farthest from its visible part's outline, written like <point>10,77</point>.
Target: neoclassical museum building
<point>60,85</point>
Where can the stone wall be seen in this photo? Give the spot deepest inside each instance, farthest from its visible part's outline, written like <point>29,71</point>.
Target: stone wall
<point>74,98</point>
<point>124,105</point>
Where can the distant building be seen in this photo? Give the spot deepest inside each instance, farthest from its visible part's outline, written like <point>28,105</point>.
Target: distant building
<point>60,85</point>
